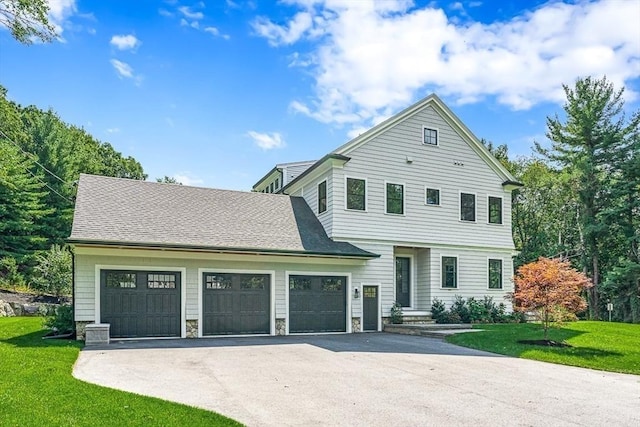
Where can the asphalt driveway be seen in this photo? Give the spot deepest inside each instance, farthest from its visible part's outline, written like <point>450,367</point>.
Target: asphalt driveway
<point>362,379</point>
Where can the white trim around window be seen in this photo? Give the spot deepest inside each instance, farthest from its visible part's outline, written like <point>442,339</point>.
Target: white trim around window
<point>404,198</point>
<point>489,259</point>
<point>366,194</point>
<point>431,128</point>
<point>326,196</point>
<point>426,187</point>
<point>457,271</point>
<point>475,207</point>
<point>501,210</point>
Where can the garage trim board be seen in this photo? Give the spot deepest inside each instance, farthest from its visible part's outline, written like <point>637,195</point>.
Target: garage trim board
<point>144,268</point>
<point>348,290</point>
<point>272,296</point>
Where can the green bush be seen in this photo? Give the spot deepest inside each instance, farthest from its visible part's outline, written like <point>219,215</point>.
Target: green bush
<point>9,274</point>
<point>460,308</point>
<point>473,311</point>
<point>53,272</point>
<point>396,313</point>
<point>438,311</point>
<point>62,320</point>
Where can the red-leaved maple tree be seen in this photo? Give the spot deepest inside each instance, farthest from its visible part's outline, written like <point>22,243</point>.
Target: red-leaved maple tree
<point>548,285</point>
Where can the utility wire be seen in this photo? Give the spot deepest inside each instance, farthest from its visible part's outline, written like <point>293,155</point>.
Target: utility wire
<point>36,176</point>
<point>35,161</point>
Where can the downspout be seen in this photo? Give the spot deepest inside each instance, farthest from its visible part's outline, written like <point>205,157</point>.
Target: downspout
<point>73,288</point>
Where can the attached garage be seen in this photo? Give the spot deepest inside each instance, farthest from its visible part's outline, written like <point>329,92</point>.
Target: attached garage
<point>236,303</point>
<point>317,303</point>
<point>140,303</point>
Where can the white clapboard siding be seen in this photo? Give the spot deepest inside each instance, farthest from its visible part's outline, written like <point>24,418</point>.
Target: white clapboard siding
<point>384,159</point>
<point>86,265</point>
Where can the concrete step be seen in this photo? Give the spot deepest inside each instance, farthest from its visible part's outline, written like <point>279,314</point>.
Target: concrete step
<point>428,330</point>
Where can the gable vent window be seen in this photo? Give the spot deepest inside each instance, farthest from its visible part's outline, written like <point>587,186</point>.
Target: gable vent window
<point>277,183</point>
<point>322,197</point>
<point>356,194</point>
<point>430,136</point>
<point>467,207</point>
<point>495,210</point>
<point>271,188</point>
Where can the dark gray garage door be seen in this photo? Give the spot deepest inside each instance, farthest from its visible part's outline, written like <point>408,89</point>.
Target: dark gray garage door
<point>317,303</point>
<point>235,304</point>
<point>140,303</point>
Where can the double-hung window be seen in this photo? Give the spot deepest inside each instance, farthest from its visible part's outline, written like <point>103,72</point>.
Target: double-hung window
<point>356,194</point>
<point>495,274</point>
<point>395,198</point>
<point>449,272</point>
<point>495,210</point>
<point>467,207</point>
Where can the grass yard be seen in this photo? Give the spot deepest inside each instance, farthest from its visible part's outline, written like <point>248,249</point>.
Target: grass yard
<point>605,346</point>
<point>37,388</point>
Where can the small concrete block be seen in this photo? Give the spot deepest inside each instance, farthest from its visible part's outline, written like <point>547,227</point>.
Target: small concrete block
<point>97,334</point>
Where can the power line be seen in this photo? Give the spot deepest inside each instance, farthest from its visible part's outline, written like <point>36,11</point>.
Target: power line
<point>46,184</point>
<point>35,161</point>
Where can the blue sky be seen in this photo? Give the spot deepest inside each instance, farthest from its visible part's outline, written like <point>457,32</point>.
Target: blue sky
<point>215,93</point>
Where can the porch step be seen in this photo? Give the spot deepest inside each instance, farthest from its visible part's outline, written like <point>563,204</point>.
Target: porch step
<point>414,317</point>
<point>432,330</point>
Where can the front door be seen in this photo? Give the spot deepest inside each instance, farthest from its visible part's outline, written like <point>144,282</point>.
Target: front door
<point>370,308</point>
<point>403,281</point>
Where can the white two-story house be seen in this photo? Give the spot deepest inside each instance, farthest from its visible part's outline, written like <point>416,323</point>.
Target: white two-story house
<point>413,209</point>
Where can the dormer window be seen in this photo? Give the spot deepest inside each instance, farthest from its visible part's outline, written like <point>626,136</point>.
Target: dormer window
<point>429,136</point>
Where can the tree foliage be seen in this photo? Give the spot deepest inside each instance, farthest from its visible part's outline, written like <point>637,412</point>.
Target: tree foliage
<point>41,159</point>
<point>27,19</point>
<point>548,287</point>
<point>53,271</point>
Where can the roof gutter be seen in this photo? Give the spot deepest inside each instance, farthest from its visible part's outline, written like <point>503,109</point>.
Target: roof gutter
<point>512,185</point>
<point>330,156</point>
<point>212,249</point>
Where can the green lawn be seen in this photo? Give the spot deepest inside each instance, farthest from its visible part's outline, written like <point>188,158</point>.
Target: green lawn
<point>36,388</point>
<point>605,346</point>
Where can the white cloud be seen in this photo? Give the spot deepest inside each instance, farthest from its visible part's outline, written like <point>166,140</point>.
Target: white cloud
<point>125,42</point>
<point>267,141</point>
<point>370,58</point>
<point>165,13</point>
<point>187,178</point>
<point>122,68</point>
<point>216,32</point>
<point>190,14</point>
<point>283,34</point>
<point>59,12</point>
<point>113,130</point>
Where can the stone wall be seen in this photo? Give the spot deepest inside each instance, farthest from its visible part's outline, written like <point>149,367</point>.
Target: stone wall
<point>192,329</point>
<point>281,326</point>
<point>80,330</point>
<point>10,309</point>
<point>355,324</point>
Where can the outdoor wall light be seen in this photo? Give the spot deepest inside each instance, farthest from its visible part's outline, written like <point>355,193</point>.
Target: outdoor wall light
<point>356,293</point>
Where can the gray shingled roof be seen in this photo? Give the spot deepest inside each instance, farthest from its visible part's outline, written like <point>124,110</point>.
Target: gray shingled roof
<point>129,212</point>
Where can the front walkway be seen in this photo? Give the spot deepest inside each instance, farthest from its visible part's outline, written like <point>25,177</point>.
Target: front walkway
<point>372,379</point>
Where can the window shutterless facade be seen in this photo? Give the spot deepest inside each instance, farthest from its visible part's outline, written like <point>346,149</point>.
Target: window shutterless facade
<point>449,272</point>
<point>495,210</point>
<point>432,196</point>
<point>395,198</point>
<point>429,136</point>
<point>322,197</point>
<point>356,194</point>
<point>467,207</point>
<point>495,274</point>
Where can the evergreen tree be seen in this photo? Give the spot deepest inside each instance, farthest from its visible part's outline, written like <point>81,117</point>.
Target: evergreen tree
<point>595,127</point>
